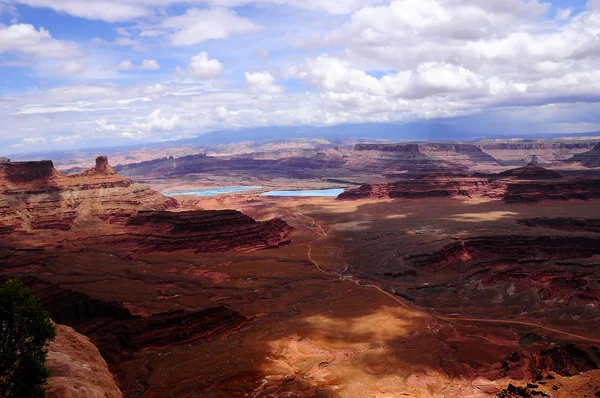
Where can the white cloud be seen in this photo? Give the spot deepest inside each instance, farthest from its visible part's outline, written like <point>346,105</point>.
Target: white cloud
<point>147,64</point>
<point>389,61</point>
<point>563,13</point>
<point>262,82</point>
<point>201,67</point>
<point>593,5</point>
<point>126,10</point>
<point>155,122</point>
<point>196,26</point>
<point>103,127</point>
<point>105,10</point>
<point>25,39</point>
<point>150,64</point>
<point>31,142</point>
<point>73,67</point>
<point>125,65</point>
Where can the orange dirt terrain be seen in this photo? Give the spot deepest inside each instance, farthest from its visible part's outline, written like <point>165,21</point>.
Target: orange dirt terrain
<point>470,285</point>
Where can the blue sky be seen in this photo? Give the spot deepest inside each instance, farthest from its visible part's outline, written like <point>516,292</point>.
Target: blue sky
<point>87,73</point>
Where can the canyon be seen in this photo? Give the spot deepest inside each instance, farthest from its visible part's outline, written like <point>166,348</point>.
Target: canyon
<point>440,271</point>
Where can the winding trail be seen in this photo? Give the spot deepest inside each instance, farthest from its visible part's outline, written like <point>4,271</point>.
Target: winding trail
<point>429,314</point>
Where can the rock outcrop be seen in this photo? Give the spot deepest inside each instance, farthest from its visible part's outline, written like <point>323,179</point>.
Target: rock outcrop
<point>435,186</point>
<point>117,333</point>
<point>77,368</point>
<point>564,224</point>
<point>533,192</point>
<point>589,159</point>
<point>531,172</point>
<point>389,159</point>
<point>37,199</point>
<point>458,153</point>
<point>291,167</point>
<point>35,196</point>
<point>205,231</point>
<point>529,184</point>
<point>517,153</point>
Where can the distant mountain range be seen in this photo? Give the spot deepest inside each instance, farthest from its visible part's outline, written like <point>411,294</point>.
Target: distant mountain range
<point>411,132</point>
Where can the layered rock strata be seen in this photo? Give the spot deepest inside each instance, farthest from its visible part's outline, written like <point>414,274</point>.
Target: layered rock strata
<point>205,231</point>
<point>564,223</point>
<point>35,196</point>
<point>529,184</point>
<point>77,368</point>
<point>588,159</point>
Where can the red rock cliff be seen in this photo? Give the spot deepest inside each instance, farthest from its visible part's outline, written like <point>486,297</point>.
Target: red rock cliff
<point>35,196</point>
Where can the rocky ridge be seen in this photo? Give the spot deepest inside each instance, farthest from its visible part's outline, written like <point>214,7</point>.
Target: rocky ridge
<point>529,184</point>
<point>99,204</point>
<point>77,368</point>
<point>34,196</point>
<point>588,159</point>
<point>205,231</point>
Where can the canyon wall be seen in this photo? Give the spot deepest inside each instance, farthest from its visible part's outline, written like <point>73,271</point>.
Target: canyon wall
<point>77,368</point>
<point>34,196</point>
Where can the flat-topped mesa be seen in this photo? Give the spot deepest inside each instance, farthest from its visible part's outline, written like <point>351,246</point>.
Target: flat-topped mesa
<point>35,196</point>
<point>589,159</point>
<point>24,172</point>
<point>398,148</point>
<point>205,231</point>
<point>531,172</point>
<point>459,153</point>
<point>430,186</point>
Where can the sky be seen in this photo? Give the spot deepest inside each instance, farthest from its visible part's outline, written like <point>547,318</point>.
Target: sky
<point>91,73</point>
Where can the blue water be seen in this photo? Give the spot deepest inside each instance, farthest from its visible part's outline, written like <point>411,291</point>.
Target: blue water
<point>307,193</point>
<point>212,191</point>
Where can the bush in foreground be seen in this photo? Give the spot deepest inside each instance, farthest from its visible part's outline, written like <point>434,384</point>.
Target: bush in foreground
<point>25,330</point>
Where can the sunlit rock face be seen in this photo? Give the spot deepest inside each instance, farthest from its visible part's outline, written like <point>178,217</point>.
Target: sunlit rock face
<point>34,196</point>
<point>77,368</point>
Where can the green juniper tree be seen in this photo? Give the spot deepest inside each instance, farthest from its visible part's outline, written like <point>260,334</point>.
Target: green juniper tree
<point>25,330</point>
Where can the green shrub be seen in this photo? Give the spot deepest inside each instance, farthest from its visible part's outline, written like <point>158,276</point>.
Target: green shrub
<point>25,330</point>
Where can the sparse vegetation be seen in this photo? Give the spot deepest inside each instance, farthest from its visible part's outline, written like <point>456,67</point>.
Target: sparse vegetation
<point>25,330</point>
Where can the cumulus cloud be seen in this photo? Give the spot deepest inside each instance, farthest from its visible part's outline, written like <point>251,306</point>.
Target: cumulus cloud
<point>155,122</point>
<point>387,61</point>
<point>201,67</point>
<point>262,82</point>
<point>103,126</point>
<point>73,67</point>
<point>26,39</point>
<point>105,10</point>
<point>196,26</point>
<point>125,10</point>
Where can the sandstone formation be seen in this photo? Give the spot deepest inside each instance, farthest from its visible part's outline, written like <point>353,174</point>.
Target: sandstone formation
<point>118,334</point>
<point>520,153</point>
<point>532,192</point>
<point>34,196</point>
<point>77,368</point>
<point>588,159</point>
<point>502,274</point>
<point>425,187</point>
<point>530,172</point>
<point>529,184</point>
<point>563,223</point>
<point>458,153</point>
<point>205,231</point>
<point>389,159</point>
<point>37,200</point>
<point>291,167</point>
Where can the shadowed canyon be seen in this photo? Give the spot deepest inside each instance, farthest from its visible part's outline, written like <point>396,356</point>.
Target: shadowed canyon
<point>443,269</point>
